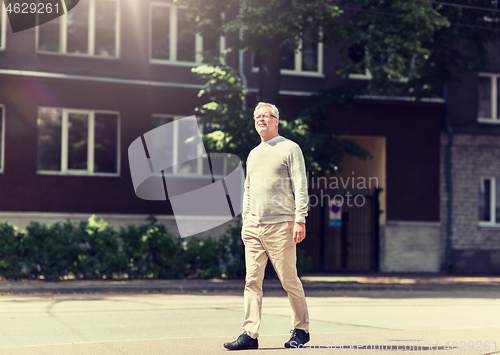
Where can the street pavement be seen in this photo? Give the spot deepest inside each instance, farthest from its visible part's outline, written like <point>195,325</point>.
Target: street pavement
<point>411,314</point>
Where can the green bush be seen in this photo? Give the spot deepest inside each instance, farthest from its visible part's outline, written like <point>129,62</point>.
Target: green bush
<point>11,252</point>
<point>49,252</point>
<point>234,264</point>
<point>304,263</point>
<point>94,250</point>
<point>98,250</point>
<point>164,253</point>
<point>203,258</point>
<point>134,248</point>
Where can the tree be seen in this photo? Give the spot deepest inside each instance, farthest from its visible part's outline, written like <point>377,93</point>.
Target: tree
<point>418,46</point>
<point>230,128</point>
<point>268,27</point>
<point>414,46</point>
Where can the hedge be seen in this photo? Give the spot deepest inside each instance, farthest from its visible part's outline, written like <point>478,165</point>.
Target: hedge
<point>93,249</point>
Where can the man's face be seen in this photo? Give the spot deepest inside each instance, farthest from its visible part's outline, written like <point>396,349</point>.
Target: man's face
<point>266,127</point>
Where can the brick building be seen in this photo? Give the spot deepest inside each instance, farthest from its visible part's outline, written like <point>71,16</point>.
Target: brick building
<point>474,237</point>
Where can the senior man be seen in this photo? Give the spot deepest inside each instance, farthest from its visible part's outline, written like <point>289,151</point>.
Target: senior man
<point>274,212</point>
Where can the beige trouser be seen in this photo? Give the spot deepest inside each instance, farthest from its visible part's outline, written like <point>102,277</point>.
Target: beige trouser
<point>273,241</point>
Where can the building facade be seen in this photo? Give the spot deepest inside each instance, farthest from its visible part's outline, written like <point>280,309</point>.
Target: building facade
<point>77,91</point>
<point>470,204</point>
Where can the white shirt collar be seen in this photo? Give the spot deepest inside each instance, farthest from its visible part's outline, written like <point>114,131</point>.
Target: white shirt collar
<point>272,140</point>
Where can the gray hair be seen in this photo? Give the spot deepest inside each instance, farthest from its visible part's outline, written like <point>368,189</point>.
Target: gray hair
<point>274,109</point>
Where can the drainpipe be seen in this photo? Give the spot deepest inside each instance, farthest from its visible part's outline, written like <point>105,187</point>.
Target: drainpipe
<point>449,185</point>
<point>241,67</point>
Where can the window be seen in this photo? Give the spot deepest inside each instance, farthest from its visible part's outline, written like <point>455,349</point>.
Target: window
<point>307,60</point>
<point>487,108</point>
<point>170,38</point>
<point>2,137</point>
<point>358,55</point>
<point>78,142</point>
<point>195,166</point>
<point>489,201</point>
<point>92,29</point>
<point>194,150</point>
<point>3,26</point>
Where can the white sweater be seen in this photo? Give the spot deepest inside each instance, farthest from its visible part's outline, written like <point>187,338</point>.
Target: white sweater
<point>276,183</point>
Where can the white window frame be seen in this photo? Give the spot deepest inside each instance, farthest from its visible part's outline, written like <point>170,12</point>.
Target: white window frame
<point>175,143</point>
<point>493,203</point>
<point>2,137</point>
<point>199,173</point>
<point>298,64</point>
<point>368,74</point>
<point>358,76</point>
<point>3,28</point>
<point>198,40</point>
<point>493,99</point>
<point>90,143</point>
<point>63,30</point>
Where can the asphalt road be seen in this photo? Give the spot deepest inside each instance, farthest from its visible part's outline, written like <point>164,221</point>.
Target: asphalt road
<point>361,321</point>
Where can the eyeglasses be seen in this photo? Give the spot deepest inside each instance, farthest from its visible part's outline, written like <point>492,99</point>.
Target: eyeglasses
<point>266,116</point>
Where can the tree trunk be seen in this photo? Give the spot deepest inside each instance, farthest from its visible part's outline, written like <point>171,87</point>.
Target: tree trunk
<point>269,71</point>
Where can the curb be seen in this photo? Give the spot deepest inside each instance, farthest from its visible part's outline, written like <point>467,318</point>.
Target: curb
<point>30,287</point>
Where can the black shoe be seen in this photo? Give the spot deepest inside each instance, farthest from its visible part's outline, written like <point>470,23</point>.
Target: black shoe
<point>298,338</point>
<point>243,342</point>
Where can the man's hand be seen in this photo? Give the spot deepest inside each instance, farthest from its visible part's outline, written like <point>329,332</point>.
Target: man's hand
<point>299,232</point>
